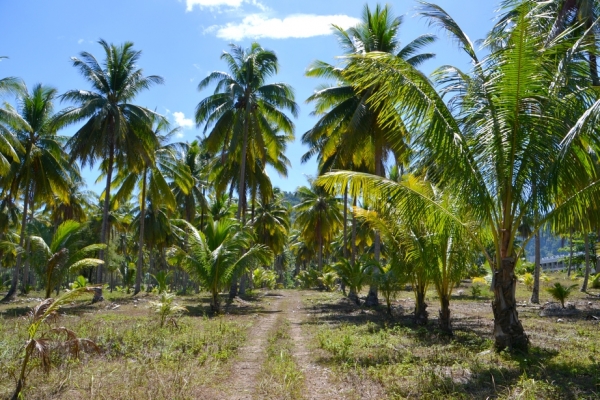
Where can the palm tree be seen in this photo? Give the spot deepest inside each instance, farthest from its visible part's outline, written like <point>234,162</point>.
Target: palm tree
<point>348,122</point>
<point>152,182</point>
<point>43,173</point>
<point>245,109</point>
<point>9,145</point>
<point>214,256</point>
<point>196,159</point>
<point>518,120</point>
<point>66,252</point>
<point>115,127</point>
<point>318,217</point>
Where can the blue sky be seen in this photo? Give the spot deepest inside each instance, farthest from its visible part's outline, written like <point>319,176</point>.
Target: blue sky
<point>182,40</point>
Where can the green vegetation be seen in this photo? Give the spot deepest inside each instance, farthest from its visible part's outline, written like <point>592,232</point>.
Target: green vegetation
<point>424,182</point>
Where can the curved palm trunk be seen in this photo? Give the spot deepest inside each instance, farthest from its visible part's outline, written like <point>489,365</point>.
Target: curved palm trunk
<point>25,281</point>
<point>12,291</point>
<point>535,294</point>
<point>140,260</point>
<point>508,331</point>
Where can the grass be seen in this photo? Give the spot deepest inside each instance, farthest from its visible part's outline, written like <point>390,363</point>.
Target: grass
<point>138,357</point>
<point>413,362</point>
<point>280,377</point>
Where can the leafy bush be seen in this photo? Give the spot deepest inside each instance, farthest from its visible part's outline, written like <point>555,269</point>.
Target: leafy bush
<point>161,279</point>
<point>79,282</point>
<point>308,279</point>
<point>264,278</point>
<point>524,267</point>
<point>595,281</point>
<point>527,280</point>
<point>560,292</point>
<point>328,280</point>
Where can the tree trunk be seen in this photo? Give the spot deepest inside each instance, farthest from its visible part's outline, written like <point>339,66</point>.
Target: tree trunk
<point>570,252</point>
<point>421,314</point>
<point>508,331</point>
<point>372,299</point>
<point>233,289</point>
<point>12,291</point>
<point>353,244</point>
<point>535,294</point>
<point>586,276</point>
<point>242,181</point>
<point>444,321</point>
<point>104,231</point>
<point>597,271</point>
<point>352,295</point>
<point>140,260</point>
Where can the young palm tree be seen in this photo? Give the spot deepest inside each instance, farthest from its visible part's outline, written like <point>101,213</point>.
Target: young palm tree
<point>245,109</point>
<point>510,124</point>
<point>114,126</point>
<point>65,253</point>
<point>223,249</point>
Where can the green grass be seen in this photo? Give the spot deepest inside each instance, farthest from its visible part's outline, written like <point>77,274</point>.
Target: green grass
<point>137,357</point>
<point>420,363</point>
<point>280,377</point>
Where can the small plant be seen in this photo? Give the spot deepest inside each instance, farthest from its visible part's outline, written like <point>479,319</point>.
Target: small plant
<point>595,281</point>
<point>167,309</point>
<point>79,282</point>
<point>527,280</point>
<point>327,280</point>
<point>38,345</point>
<point>478,280</point>
<point>545,278</point>
<point>161,278</point>
<point>560,292</point>
<point>475,291</point>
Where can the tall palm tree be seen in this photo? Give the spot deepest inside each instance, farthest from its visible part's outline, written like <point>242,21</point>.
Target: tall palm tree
<point>245,110</point>
<point>516,121</point>
<point>43,173</point>
<point>152,182</point>
<point>9,145</point>
<point>196,159</point>
<point>114,126</point>
<point>318,218</point>
<point>349,131</point>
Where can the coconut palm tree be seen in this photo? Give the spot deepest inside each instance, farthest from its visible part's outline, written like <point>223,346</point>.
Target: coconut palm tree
<point>245,109</point>
<point>152,182</point>
<point>114,126</point>
<point>43,174</point>
<point>318,217</point>
<point>516,121</point>
<point>348,122</point>
<point>214,256</point>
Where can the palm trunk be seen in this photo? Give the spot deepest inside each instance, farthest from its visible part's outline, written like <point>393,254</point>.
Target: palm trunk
<point>570,252</point>
<point>535,294</point>
<point>104,231</point>
<point>12,291</point>
<point>421,314</point>
<point>353,245</point>
<point>598,258</point>
<point>444,320</point>
<point>372,299</point>
<point>26,274</point>
<point>320,240</point>
<point>140,260</point>
<point>587,263</point>
<point>508,331</point>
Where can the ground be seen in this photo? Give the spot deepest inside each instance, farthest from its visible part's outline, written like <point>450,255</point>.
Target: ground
<point>305,344</point>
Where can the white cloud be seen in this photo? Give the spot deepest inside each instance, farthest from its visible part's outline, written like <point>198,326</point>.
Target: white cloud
<point>182,121</point>
<point>212,3</point>
<point>80,41</point>
<point>293,26</point>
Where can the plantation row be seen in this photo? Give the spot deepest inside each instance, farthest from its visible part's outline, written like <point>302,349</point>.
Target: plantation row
<point>423,181</point>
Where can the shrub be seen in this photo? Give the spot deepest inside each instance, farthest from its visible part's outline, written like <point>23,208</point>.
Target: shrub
<point>527,280</point>
<point>263,278</point>
<point>166,308</point>
<point>595,281</point>
<point>560,292</point>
